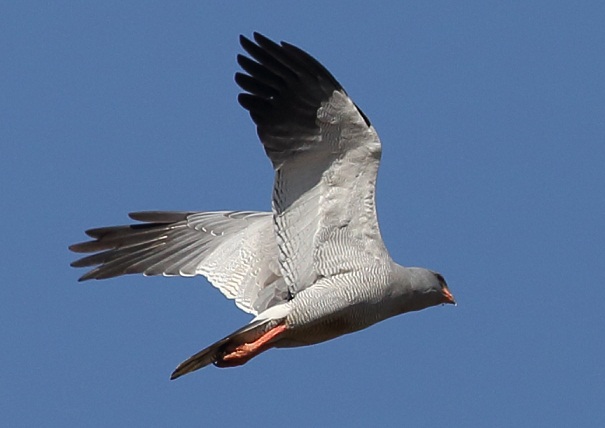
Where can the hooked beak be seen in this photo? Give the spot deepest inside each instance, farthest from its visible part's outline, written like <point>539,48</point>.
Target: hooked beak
<point>447,296</point>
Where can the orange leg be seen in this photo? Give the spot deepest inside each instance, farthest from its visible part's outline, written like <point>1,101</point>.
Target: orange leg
<point>247,351</point>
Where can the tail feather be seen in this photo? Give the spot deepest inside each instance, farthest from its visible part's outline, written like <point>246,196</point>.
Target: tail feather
<point>215,352</point>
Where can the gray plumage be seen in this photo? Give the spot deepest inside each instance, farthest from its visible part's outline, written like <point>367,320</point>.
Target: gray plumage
<point>315,267</point>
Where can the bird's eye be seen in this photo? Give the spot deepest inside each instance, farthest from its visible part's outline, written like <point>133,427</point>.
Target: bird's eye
<point>441,279</point>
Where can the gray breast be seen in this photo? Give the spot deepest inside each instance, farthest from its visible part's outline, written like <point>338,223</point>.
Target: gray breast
<point>339,305</point>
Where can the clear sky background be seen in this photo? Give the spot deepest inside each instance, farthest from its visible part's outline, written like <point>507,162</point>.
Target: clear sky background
<point>492,118</point>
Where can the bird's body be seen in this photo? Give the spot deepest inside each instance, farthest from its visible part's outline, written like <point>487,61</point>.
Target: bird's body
<point>314,268</point>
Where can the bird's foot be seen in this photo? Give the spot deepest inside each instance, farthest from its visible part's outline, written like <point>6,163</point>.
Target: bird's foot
<point>243,353</point>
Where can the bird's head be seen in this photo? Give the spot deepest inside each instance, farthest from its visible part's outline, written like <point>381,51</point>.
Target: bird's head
<point>426,288</point>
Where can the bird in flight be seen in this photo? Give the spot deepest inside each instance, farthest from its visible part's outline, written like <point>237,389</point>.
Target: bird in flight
<point>312,269</point>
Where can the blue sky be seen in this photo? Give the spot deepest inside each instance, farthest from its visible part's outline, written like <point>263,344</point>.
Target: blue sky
<point>492,118</point>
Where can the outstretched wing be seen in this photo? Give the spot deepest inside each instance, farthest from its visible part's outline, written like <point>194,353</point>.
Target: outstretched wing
<point>326,156</point>
<point>235,250</point>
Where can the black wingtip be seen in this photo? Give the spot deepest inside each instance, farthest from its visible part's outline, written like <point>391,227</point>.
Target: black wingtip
<point>263,40</point>
<point>258,37</point>
<point>245,42</point>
